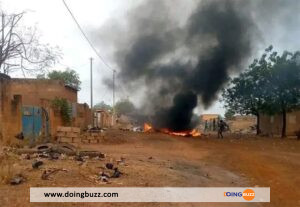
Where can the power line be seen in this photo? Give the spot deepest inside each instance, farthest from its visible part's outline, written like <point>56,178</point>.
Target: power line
<point>91,45</point>
<point>85,36</point>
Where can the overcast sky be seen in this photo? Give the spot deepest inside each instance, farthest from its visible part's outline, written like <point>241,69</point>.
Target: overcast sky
<point>57,28</point>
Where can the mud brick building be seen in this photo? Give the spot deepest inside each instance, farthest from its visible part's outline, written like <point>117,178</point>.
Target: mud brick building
<point>209,122</point>
<point>103,119</point>
<point>26,106</point>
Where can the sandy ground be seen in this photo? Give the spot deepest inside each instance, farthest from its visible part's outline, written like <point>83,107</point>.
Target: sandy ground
<point>155,159</point>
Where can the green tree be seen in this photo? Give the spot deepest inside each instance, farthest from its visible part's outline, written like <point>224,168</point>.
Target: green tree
<point>271,85</point>
<point>244,94</point>
<point>283,80</point>
<point>69,77</point>
<point>229,114</point>
<point>103,106</point>
<point>124,106</point>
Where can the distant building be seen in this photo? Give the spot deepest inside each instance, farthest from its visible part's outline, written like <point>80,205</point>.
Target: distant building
<point>103,118</point>
<point>272,125</point>
<point>26,106</point>
<point>209,122</point>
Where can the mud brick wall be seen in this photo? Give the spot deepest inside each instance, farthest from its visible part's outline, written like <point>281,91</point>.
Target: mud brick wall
<point>15,93</point>
<point>72,135</point>
<point>83,116</point>
<point>10,111</point>
<point>34,90</point>
<point>272,125</point>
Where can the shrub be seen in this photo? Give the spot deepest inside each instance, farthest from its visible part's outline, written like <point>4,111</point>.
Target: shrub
<point>65,109</point>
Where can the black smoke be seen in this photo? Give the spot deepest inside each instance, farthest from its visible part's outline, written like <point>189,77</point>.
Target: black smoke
<point>231,32</point>
<point>184,63</point>
<point>179,116</point>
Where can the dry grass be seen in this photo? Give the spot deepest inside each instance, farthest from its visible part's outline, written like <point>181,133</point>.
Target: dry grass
<point>16,143</point>
<point>9,166</point>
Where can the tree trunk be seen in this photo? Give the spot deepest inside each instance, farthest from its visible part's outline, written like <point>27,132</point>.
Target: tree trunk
<point>283,132</point>
<point>258,124</point>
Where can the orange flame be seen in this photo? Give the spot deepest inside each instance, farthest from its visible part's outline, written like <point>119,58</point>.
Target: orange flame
<point>147,127</point>
<point>188,133</point>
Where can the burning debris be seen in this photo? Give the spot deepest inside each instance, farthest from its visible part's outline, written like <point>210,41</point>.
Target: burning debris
<point>147,127</point>
<point>186,133</point>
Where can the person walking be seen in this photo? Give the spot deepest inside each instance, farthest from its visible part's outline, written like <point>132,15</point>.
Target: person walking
<point>222,126</point>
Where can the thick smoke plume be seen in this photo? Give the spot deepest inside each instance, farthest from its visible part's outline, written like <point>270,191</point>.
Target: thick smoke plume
<point>184,62</point>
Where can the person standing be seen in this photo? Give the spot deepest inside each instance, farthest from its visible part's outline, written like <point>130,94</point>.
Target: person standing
<point>206,126</point>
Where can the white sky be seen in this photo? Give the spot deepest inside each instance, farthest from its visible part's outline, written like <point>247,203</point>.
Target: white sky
<point>57,28</point>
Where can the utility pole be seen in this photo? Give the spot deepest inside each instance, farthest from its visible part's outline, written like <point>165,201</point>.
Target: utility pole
<point>114,88</point>
<point>114,112</point>
<point>92,113</point>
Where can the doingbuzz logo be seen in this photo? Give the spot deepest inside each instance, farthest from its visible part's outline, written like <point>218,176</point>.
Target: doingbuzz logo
<point>247,194</point>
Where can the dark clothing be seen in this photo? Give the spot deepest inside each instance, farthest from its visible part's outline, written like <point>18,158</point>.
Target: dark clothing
<point>214,125</point>
<point>222,126</point>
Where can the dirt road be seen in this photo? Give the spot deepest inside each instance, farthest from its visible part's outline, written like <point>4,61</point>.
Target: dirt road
<point>154,159</point>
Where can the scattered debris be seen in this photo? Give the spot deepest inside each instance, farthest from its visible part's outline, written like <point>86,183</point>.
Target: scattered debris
<point>78,158</point>
<point>98,158</point>
<point>54,155</point>
<point>44,147</point>
<point>116,174</point>
<point>63,156</point>
<point>64,148</point>
<point>20,136</point>
<point>137,129</point>
<point>109,166</point>
<point>17,179</point>
<point>43,155</point>
<point>104,178</point>
<point>36,164</point>
<point>92,154</point>
<point>25,156</point>
<point>121,161</point>
<point>49,147</point>
<point>46,173</point>
<point>86,157</point>
<point>104,174</point>
<point>59,151</point>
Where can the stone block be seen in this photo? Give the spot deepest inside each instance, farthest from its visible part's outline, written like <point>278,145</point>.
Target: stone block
<point>76,129</point>
<point>85,141</point>
<point>94,141</point>
<point>76,140</point>
<point>65,139</point>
